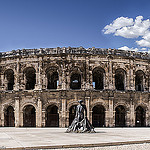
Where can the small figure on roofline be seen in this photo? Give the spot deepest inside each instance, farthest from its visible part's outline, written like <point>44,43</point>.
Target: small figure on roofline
<point>80,124</point>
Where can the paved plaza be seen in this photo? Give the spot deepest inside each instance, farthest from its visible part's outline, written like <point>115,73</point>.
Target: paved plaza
<point>57,138</point>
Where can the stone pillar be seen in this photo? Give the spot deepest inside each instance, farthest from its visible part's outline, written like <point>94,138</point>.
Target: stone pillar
<point>132,116</point>
<point>43,117</point>
<point>131,76</point>
<point>127,119</point>
<point>17,112</point>
<point>2,118</point>
<point>21,118</point>
<point>63,113</point>
<point>111,117</point>
<point>87,102</point>
<point>39,113</point>
<point>16,77</point>
<point>67,119</point>
<point>111,78</point>
<point>107,118</point>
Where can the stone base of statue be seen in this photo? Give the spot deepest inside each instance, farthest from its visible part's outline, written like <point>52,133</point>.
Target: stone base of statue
<point>80,126</point>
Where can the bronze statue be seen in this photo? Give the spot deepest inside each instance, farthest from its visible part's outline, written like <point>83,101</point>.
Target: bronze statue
<point>80,124</point>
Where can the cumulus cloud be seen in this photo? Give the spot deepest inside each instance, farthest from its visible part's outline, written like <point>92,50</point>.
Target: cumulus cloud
<point>128,49</point>
<point>130,28</point>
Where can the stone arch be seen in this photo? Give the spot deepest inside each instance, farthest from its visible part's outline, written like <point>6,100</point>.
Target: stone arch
<point>139,80</point>
<point>120,116</point>
<point>9,79</point>
<point>98,78</point>
<point>9,117</point>
<point>140,117</point>
<point>29,78</point>
<point>52,76</point>
<point>98,116</point>
<point>52,116</point>
<point>29,115</point>
<point>120,79</point>
<point>75,78</point>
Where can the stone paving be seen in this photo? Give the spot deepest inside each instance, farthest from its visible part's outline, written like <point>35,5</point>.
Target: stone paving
<point>57,138</point>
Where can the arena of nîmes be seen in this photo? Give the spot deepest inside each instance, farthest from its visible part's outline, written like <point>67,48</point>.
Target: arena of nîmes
<point>41,87</point>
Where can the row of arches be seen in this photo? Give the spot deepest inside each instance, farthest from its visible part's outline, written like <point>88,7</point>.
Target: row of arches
<point>52,116</point>
<point>98,77</point>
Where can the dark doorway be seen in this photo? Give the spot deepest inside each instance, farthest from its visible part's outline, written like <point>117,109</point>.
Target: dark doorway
<point>30,75</point>
<point>98,116</point>
<point>52,79</point>
<point>75,82</point>
<point>29,116</point>
<point>120,79</point>
<point>140,117</point>
<point>72,113</point>
<point>9,75</point>
<point>98,78</point>
<point>120,116</point>
<point>139,76</point>
<point>9,117</point>
<point>52,116</point>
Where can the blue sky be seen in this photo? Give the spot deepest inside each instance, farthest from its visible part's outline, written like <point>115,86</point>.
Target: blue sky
<point>59,23</point>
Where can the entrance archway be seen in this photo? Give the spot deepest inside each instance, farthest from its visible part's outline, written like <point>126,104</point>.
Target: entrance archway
<point>120,116</point>
<point>29,116</point>
<point>9,117</point>
<point>140,117</point>
<point>98,116</point>
<point>52,116</point>
<point>72,113</point>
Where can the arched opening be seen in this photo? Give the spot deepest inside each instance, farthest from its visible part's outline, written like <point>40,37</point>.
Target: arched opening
<point>139,76</point>
<point>98,78</point>
<point>120,116</point>
<point>75,82</point>
<point>140,117</point>
<point>29,116</point>
<point>30,75</point>
<point>98,116</point>
<point>9,120</point>
<point>120,79</point>
<point>52,116</point>
<point>9,76</point>
<point>72,113</point>
<point>52,79</point>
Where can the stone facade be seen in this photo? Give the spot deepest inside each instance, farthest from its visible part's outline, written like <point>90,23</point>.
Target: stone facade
<point>41,87</point>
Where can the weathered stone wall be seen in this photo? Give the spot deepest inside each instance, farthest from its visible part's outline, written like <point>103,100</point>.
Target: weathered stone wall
<point>66,61</point>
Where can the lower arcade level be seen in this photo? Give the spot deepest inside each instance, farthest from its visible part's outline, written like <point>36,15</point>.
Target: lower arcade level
<point>57,108</point>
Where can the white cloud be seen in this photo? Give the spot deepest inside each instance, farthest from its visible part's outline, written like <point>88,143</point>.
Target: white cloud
<point>128,49</point>
<point>129,28</point>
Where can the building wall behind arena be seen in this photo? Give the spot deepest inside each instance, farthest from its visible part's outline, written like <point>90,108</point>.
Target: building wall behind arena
<point>41,87</point>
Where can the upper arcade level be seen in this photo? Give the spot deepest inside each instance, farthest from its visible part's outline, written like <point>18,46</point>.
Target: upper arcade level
<point>75,50</point>
<point>74,69</point>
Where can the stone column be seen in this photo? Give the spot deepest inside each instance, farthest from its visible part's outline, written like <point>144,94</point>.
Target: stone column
<point>111,78</point>
<point>2,118</point>
<point>107,118</point>
<point>111,113</point>
<point>131,76</point>
<point>87,102</point>
<point>21,118</point>
<point>43,117</point>
<point>39,113</point>
<point>127,118</point>
<point>132,115</point>
<point>17,112</point>
<point>17,85</point>
<point>63,113</point>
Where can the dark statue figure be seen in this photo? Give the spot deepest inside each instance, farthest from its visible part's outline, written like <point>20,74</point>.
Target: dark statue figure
<point>80,124</point>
